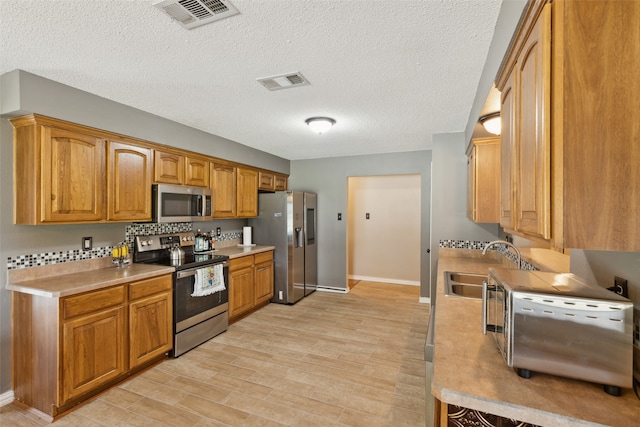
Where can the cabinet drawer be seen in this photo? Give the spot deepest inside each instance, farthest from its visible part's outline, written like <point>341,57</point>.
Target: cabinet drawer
<point>151,286</point>
<point>263,257</point>
<point>92,301</point>
<point>240,263</point>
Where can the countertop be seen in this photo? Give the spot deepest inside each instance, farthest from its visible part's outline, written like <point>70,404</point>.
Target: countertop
<point>470,372</point>
<point>240,251</point>
<point>70,278</point>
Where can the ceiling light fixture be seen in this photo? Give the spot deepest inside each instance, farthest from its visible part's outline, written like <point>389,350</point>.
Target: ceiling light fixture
<point>491,122</point>
<point>320,124</point>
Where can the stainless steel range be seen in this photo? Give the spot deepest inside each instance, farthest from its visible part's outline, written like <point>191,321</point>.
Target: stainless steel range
<point>199,313</point>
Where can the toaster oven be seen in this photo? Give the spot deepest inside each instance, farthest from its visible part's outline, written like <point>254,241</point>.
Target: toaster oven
<point>559,324</point>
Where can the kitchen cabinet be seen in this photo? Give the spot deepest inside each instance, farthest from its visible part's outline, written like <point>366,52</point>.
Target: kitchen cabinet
<point>93,340</point>
<point>271,181</point>
<point>128,182</point>
<point>281,182</point>
<point>67,349</point>
<point>483,180</point>
<point>59,172</point>
<point>241,286</point>
<point>223,184</point>
<point>250,283</point>
<point>247,192</point>
<point>264,276</point>
<point>150,319</point>
<point>576,179</point>
<point>527,144</point>
<point>180,169</point>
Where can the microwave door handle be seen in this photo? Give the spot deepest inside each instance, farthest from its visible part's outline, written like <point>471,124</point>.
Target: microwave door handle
<point>200,205</point>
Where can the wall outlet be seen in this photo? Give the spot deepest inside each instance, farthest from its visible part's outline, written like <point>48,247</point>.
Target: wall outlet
<point>620,286</point>
<point>280,295</point>
<point>218,232</point>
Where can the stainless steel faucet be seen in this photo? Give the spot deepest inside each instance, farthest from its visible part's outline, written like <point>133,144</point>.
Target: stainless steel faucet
<point>509,245</point>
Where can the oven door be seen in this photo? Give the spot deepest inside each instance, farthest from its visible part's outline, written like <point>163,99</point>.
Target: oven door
<point>188,310</point>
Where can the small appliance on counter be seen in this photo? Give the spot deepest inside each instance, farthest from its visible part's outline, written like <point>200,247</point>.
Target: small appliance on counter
<point>198,314</point>
<point>561,325</point>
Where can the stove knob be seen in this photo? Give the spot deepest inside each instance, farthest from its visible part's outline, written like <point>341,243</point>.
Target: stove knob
<point>143,243</point>
<point>150,242</point>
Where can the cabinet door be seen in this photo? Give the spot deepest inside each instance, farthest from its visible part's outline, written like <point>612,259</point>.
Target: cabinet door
<point>73,176</point>
<point>263,277</point>
<point>93,349</point>
<point>129,182</point>
<point>267,181</point>
<point>471,188</point>
<point>281,182</point>
<point>196,171</point>
<point>507,153</point>
<point>241,285</point>
<point>150,328</point>
<point>223,184</point>
<point>486,178</point>
<point>168,168</point>
<point>533,180</point>
<point>247,193</point>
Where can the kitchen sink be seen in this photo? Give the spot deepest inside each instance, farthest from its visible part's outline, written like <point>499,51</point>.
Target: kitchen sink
<point>463,285</point>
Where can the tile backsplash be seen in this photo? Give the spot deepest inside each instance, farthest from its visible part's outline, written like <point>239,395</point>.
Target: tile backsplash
<point>133,230</point>
<point>476,244</point>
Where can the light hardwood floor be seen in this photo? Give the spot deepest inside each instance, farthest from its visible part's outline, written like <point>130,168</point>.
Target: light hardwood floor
<point>330,360</point>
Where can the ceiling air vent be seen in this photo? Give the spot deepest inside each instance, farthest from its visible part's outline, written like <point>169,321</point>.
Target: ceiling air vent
<point>193,13</point>
<point>284,81</point>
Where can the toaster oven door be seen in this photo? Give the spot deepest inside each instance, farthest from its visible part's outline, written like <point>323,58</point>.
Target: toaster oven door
<point>495,314</point>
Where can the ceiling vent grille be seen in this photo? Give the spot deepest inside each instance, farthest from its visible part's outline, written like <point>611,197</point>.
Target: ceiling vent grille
<point>284,81</point>
<point>193,13</point>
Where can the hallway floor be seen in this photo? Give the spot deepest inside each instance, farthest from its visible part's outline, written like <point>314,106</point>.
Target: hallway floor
<point>332,359</point>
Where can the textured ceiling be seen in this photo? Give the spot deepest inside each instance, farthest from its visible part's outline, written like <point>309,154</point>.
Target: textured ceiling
<point>391,72</point>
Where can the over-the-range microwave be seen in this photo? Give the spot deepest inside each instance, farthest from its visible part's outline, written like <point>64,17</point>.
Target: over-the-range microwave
<point>176,203</point>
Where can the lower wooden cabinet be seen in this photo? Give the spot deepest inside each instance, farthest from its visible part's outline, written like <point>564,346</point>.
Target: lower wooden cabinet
<point>250,283</point>
<point>455,416</point>
<point>67,349</point>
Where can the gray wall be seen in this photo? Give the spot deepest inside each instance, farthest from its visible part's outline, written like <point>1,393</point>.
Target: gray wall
<point>328,178</point>
<point>449,205</point>
<point>22,93</point>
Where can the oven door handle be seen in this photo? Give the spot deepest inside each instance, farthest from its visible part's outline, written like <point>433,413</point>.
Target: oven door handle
<point>192,272</point>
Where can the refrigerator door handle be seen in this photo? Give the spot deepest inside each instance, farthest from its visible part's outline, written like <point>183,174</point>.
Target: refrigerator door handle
<point>299,242</point>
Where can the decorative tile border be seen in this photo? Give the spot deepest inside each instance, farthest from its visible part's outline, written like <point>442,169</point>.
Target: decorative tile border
<point>133,230</point>
<point>475,244</point>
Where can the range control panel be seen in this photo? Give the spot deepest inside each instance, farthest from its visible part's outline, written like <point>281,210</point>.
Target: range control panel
<point>164,241</point>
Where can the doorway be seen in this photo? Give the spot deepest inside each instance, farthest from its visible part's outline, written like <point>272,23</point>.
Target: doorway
<point>384,229</point>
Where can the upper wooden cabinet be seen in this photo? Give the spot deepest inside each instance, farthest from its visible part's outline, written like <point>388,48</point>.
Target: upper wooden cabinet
<point>526,206</point>
<point>574,97</point>
<point>129,182</point>
<point>223,184</point>
<point>271,181</point>
<point>59,172</point>
<point>66,173</point>
<point>247,197</point>
<point>180,169</point>
<point>168,168</point>
<point>483,180</point>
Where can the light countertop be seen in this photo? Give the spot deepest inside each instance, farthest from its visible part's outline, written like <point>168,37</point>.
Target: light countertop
<point>70,278</point>
<point>64,279</point>
<point>470,372</point>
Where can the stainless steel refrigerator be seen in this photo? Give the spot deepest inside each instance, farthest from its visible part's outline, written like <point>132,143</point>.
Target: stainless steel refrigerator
<point>287,220</point>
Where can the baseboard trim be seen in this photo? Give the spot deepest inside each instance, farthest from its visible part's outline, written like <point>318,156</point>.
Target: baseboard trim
<point>332,289</point>
<point>424,300</point>
<point>6,398</point>
<point>386,280</point>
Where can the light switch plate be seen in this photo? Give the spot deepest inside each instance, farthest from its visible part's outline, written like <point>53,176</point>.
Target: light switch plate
<point>87,243</point>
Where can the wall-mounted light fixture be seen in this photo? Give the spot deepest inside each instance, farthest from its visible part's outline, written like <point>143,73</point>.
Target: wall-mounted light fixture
<point>320,124</point>
<point>491,122</point>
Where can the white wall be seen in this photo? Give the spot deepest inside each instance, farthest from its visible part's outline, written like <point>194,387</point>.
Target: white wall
<point>386,247</point>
